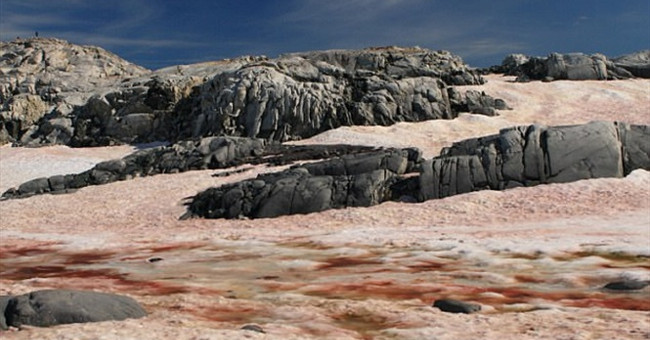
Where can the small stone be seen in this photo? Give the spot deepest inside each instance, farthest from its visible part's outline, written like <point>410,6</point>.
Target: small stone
<point>154,259</point>
<point>456,306</point>
<point>254,328</point>
<point>627,285</point>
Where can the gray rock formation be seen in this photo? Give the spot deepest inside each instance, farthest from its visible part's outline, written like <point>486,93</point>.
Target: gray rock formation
<point>55,307</point>
<point>49,77</point>
<point>636,63</point>
<point>206,153</point>
<point>527,156</point>
<point>519,156</point>
<point>4,301</point>
<point>575,66</point>
<point>54,92</point>
<point>348,181</point>
<point>300,95</point>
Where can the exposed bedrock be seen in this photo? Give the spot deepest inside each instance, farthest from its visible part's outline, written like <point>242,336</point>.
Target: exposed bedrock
<point>347,181</point>
<point>46,308</point>
<point>575,66</point>
<point>206,153</point>
<point>527,156</point>
<point>519,156</point>
<point>59,93</point>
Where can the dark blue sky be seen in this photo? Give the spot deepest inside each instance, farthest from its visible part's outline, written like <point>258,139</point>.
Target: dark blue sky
<point>168,32</point>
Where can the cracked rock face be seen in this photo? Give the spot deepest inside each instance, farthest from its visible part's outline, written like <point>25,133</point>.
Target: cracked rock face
<point>519,156</point>
<point>300,95</point>
<point>61,75</point>
<point>92,98</point>
<point>348,181</point>
<point>527,156</point>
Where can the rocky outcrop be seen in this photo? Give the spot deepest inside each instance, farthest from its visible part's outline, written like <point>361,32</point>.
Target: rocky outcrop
<point>54,92</point>
<point>636,63</point>
<point>519,156</point>
<point>348,181</point>
<point>574,66</point>
<point>527,156</point>
<point>42,77</point>
<point>207,153</point>
<point>56,307</point>
<point>300,95</point>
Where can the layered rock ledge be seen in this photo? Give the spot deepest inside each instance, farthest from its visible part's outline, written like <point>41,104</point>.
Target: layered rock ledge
<point>519,156</point>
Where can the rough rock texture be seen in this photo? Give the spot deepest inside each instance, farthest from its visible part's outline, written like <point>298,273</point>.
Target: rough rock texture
<point>300,95</point>
<point>206,153</point>
<point>348,181</point>
<point>89,97</point>
<point>526,156</point>
<point>55,307</point>
<point>636,63</point>
<point>4,301</point>
<point>49,77</point>
<point>519,156</point>
<point>575,66</point>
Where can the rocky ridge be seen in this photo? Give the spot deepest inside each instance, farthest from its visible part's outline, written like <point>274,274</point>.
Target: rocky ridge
<point>575,66</point>
<point>518,156</point>
<point>42,76</point>
<point>91,97</point>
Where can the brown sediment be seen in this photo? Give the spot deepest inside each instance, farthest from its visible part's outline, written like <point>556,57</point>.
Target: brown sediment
<point>87,257</point>
<point>305,244</point>
<point>612,256</point>
<point>10,251</point>
<point>347,261</point>
<point>627,303</point>
<point>176,246</point>
<point>235,313</point>
<point>364,322</point>
<point>426,266</point>
<point>382,289</point>
<point>528,279</point>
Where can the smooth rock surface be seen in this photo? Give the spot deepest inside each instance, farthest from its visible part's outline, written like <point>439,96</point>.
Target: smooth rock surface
<point>55,307</point>
<point>456,306</point>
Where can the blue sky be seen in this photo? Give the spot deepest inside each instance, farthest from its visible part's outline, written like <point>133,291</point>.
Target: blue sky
<point>162,33</point>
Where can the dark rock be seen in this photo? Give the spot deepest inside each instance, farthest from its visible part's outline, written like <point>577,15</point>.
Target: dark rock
<point>518,156</point>
<point>253,328</point>
<point>638,64</point>
<point>290,97</point>
<point>627,285</point>
<point>54,307</point>
<point>352,180</point>
<point>456,306</point>
<point>576,66</point>
<point>526,156</point>
<point>4,301</point>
